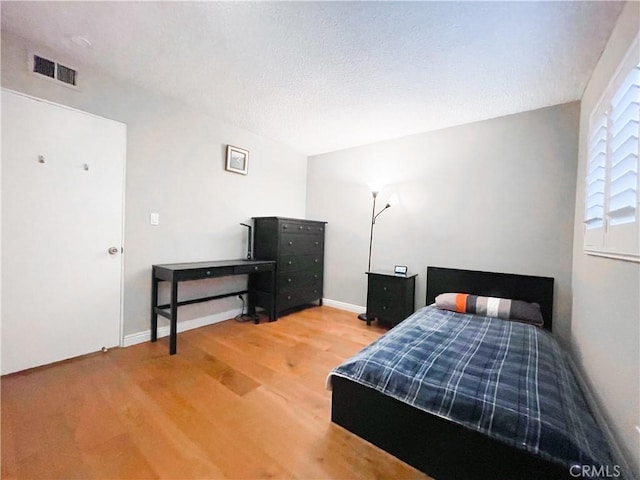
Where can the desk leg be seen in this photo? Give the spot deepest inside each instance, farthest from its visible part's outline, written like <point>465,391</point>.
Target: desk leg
<point>173,332</point>
<point>251,302</point>
<point>154,304</point>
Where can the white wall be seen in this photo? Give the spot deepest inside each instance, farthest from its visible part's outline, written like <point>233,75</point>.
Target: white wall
<point>605,331</point>
<point>495,195</point>
<point>175,166</point>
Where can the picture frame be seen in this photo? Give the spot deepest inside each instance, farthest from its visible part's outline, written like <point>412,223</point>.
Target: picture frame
<point>237,160</point>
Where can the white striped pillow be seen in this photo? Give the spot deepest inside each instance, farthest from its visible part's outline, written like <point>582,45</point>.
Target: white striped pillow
<point>491,307</point>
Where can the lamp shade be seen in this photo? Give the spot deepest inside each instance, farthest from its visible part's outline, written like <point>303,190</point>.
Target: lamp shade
<point>375,188</point>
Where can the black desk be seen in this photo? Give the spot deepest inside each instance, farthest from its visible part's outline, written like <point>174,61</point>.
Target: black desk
<point>180,272</point>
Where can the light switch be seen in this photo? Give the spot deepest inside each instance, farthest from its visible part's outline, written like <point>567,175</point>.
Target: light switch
<point>154,218</point>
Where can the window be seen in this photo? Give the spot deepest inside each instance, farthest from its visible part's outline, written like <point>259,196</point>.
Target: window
<point>612,209</point>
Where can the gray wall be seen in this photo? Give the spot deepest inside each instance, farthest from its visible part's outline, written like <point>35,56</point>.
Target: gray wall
<point>175,166</point>
<point>495,195</point>
<point>605,331</point>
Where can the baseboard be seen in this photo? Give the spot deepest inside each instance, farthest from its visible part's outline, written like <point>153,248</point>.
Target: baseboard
<point>343,306</point>
<point>618,453</point>
<point>145,336</point>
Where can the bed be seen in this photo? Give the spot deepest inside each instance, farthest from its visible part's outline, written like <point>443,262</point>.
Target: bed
<point>462,396</point>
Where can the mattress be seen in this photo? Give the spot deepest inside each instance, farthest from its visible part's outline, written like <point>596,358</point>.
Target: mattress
<point>508,380</point>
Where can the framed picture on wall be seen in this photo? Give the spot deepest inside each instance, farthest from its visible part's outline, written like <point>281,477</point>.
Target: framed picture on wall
<point>237,160</point>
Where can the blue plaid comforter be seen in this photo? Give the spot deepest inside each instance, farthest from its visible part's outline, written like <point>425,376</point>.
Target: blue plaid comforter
<point>508,380</point>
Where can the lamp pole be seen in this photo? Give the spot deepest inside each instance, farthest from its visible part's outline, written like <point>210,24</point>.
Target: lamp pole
<point>363,316</point>
<point>373,221</point>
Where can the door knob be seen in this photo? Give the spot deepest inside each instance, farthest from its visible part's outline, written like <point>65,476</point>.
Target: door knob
<point>113,250</point>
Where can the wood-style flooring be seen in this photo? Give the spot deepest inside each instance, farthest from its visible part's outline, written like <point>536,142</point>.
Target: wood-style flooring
<point>238,401</point>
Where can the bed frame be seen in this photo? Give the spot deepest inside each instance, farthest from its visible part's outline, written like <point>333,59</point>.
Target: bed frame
<point>439,447</point>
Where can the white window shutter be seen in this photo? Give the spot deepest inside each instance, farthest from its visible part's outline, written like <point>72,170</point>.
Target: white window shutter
<point>595,182</point>
<point>623,234</point>
<point>622,194</point>
<point>612,181</point>
<point>596,170</point>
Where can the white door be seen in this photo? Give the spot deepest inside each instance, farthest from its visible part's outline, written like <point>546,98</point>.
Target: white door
<point>62,210</point>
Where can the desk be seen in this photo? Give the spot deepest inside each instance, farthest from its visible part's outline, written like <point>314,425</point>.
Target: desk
<point>180,272</point>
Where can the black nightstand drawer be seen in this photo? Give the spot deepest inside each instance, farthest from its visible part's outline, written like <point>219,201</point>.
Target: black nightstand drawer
<point>387,311</point>
<point>385,287</point>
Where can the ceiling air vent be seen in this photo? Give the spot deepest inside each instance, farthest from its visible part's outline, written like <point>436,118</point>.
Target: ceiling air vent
<point>54,70</point>
<point>66,75</point>
<point>44,66</point>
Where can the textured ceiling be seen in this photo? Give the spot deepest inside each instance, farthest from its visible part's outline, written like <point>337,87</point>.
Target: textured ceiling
<point>322,76</point>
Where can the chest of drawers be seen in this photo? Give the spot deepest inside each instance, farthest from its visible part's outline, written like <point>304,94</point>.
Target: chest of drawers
<point>297,246</point>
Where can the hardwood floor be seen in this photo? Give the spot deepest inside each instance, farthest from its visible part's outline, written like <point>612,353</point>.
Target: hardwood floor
<point>237,401</point>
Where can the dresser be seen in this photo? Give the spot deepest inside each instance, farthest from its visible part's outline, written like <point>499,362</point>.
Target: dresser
<point>297,246</point>
<point>390,297</point>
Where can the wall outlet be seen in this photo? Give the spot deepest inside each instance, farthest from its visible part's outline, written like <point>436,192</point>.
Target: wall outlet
<point>154,218</point>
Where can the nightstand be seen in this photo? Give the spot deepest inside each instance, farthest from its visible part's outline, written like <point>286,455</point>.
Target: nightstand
<point>390,297</point>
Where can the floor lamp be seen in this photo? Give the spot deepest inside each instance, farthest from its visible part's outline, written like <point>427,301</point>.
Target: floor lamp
<point>374,215</point>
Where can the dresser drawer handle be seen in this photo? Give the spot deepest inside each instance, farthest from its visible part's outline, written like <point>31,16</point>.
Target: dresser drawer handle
<point>315,275</point>
<point>300,227</point>
<point>289,262</point>
<point>285,226</point>
<point>290,243</point>
<point>317,243</point>
<point>288,297</point>
<point>384,307</point>
<point>207,272</point>
<point>288,280</point>
<point>315,260</point>
<point>384,288</point>
<point>255,268</point>
<point>308,229</point>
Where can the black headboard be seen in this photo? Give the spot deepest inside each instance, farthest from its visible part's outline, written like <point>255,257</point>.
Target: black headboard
<point>489,284</point>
